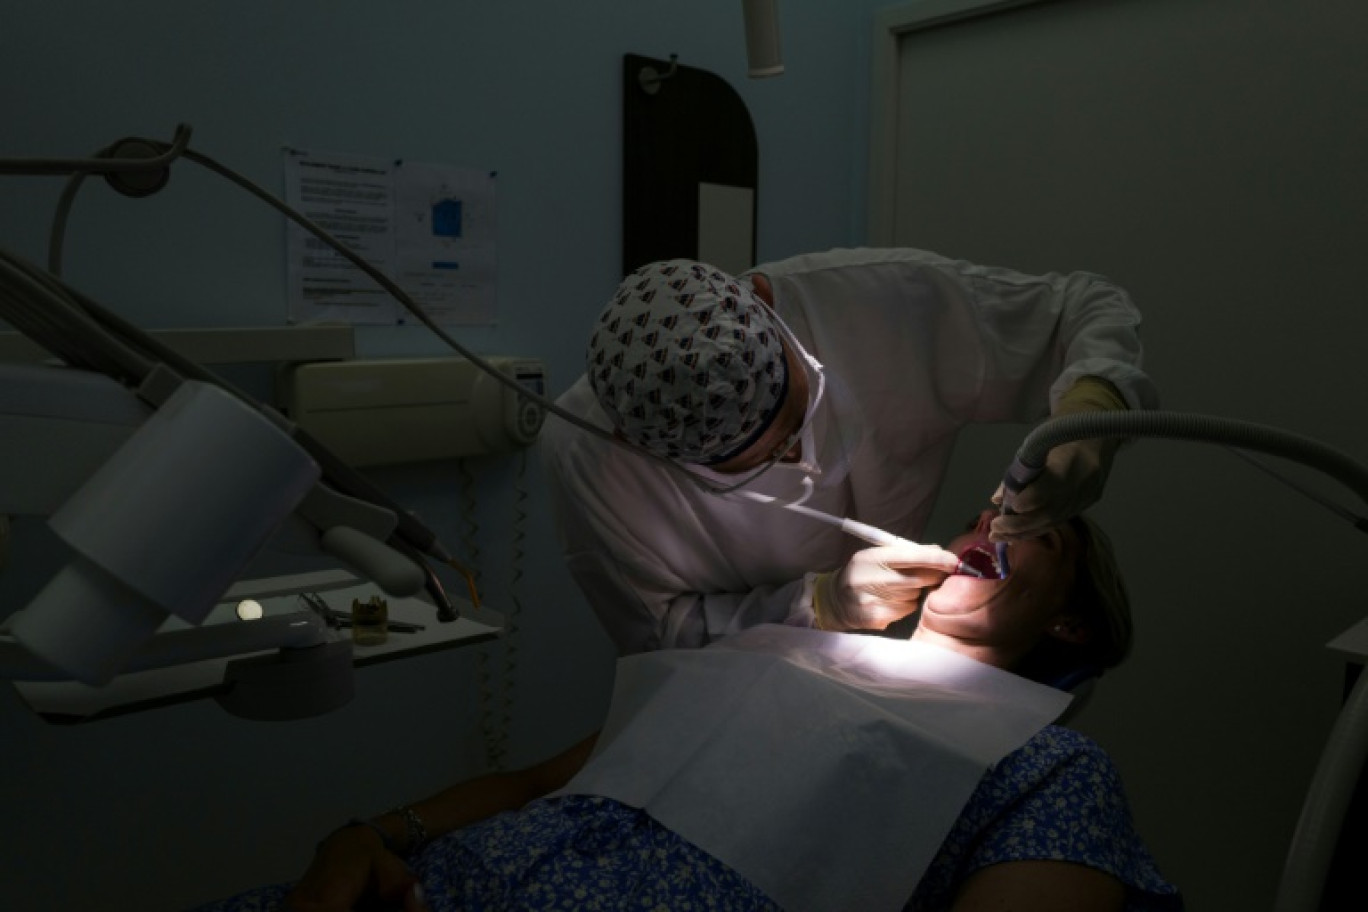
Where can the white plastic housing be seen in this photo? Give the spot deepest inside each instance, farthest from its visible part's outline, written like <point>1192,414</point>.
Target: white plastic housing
<point>163,527</point>
<point>396,410</point>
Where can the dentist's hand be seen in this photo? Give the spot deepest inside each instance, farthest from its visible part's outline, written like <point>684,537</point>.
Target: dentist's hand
<point>1074,475</point>
<point>878,586</point>
<point>1073,479</point>
<point>353,870</point>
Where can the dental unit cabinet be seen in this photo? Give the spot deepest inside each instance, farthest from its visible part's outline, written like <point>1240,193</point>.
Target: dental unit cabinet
<point>393,410</point>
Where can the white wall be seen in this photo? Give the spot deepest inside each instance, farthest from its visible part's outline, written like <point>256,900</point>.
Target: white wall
<point>183,804</point>
<point>1209,158</point>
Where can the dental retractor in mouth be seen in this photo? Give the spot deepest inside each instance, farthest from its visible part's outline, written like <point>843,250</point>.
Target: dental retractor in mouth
<point>984,561</point>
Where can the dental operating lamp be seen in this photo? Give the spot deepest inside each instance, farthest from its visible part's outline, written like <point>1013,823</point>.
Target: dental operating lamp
<point>163,527</point>
<point>1342,761</point>
<point>164,482</point>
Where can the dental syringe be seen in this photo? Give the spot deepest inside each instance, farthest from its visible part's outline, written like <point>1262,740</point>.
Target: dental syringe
<point>864,531</point>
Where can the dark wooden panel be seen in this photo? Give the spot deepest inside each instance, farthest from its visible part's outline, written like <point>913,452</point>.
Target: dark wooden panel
<point>693,129</point>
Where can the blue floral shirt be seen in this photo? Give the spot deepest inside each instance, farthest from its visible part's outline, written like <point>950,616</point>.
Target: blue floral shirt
<point>1058,797</point>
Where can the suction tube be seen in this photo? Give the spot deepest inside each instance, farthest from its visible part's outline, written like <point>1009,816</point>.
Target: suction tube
<point>1030,456</point>
<point>1342,760</point>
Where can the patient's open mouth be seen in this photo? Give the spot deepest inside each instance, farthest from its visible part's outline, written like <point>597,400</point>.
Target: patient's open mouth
<point>983,558</point>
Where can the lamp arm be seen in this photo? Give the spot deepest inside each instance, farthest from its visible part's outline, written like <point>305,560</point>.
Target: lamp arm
<point>296,630</point>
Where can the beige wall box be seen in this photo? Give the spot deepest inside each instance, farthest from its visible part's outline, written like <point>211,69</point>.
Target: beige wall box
<point>379,412</point>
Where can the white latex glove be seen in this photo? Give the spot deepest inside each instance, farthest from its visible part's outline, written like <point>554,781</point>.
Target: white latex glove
<point>1073,479</point>
<point>1075,473</point>
<point>878,586</point>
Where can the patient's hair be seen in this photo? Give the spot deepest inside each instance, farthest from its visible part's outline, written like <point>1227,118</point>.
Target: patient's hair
<point>1098,597</point>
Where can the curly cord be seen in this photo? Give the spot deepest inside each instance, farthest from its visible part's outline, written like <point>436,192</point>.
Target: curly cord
<point>470,544</point>
<point>513,617</point>
<point>484,660</point>
<point>496,721</point>
<point>494,741</point>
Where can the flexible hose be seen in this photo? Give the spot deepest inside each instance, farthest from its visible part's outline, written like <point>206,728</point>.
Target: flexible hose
<point>1342,761</point>
<point>1030,457</point>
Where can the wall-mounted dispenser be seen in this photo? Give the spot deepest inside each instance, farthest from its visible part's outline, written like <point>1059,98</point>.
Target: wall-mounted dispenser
<point>386,411</point>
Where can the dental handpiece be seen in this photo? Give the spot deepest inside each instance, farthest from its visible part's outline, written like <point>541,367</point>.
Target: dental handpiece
<point>864,531</point>
<point>1019,474</point>
<point>877,536</point>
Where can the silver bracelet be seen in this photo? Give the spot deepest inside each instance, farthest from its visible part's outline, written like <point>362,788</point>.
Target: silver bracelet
<point>415,833</point>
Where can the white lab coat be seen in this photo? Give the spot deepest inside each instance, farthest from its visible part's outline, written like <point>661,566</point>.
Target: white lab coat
<point>922,345</point>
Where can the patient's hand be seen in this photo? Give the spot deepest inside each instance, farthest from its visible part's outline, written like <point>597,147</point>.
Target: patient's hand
<point>353,870</point>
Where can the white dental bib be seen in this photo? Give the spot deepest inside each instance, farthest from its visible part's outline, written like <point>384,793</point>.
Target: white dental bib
<point>826,768</point>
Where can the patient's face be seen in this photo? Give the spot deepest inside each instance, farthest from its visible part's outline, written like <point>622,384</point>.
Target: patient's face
<point>1010,614</point>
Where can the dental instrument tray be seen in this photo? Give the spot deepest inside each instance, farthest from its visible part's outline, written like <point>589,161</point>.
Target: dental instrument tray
<point>247,602</point>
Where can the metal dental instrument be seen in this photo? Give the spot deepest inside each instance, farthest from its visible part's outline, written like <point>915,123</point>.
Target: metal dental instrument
<point>342,620</point>
<point>320,608</point>
<point>864,531</point>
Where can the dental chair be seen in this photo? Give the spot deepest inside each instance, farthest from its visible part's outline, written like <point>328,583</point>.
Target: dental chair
<point>1081,682</point>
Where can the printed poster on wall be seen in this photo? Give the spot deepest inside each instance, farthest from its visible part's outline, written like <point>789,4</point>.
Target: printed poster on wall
<point>429,228</point>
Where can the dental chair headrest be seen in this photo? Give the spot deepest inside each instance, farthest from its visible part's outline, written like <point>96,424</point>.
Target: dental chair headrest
<point>1081,682</point>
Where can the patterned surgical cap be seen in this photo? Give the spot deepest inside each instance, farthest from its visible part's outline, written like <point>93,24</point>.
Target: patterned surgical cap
<point>687,362</point>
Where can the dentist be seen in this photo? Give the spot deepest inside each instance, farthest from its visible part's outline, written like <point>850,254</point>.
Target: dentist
<point>838,380</point>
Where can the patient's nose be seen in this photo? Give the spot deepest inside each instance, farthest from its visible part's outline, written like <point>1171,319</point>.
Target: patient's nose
<point>985,519</point>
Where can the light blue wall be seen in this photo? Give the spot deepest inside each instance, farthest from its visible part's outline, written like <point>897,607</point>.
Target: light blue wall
<point>182,804</point>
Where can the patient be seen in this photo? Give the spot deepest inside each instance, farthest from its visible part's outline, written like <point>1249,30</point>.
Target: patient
<point>1047,828</point>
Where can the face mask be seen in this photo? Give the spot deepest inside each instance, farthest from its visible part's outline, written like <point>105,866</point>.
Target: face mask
<point>809,462</point>
<point>834,429</point>
<point>831,440</point>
